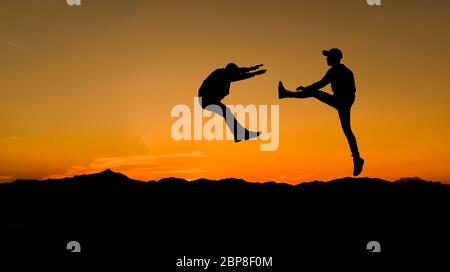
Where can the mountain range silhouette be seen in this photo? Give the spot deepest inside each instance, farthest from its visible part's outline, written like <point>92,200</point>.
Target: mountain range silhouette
<point>109,213</point>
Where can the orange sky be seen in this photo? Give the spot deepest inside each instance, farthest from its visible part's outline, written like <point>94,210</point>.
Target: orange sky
<point>91,87</point>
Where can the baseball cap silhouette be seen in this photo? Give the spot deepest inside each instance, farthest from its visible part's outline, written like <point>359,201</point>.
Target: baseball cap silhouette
<point>333,52</point>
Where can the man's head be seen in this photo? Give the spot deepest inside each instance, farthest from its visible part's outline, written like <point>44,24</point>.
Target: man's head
<point>334,56</point>
<point>232,68</point>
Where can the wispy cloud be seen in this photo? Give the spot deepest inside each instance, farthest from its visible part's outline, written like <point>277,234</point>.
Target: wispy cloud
<point>6,178</point>
<point>11,139</point>
<point>179,171</point>
<point>15,45</point>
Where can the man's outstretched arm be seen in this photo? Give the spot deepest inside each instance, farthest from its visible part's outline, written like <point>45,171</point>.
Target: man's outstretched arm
<point>252,68</point>
<point>247,75</point>
<point>318,85</point>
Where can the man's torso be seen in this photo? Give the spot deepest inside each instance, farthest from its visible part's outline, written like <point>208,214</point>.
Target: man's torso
<point>216,86</point>
<point>342,81</point>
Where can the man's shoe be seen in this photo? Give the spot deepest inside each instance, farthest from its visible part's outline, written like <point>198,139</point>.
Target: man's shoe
<point>282,92</point>
<point>252,134</point>
<point>358,163</point>
<point>248,135</point>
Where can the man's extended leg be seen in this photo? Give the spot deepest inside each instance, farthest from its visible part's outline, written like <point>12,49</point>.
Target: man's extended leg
<point>318,94</point>
<point>344,117</point>
<point>239,132</point>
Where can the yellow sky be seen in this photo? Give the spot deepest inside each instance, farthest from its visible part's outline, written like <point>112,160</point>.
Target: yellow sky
<point>91,87</point>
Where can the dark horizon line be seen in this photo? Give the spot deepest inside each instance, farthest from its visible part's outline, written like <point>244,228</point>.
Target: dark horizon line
<point>111,172</point>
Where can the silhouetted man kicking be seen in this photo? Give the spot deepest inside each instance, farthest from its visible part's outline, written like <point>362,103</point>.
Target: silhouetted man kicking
<point>343,86</point>
<point>217,85</point>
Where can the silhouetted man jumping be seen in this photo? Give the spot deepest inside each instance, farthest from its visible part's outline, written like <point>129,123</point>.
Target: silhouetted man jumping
<point>343,87</point>
<point>217,85</point>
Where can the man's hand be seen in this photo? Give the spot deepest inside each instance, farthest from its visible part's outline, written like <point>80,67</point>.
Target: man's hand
<point>256,67</point>
<point>301,88</point>
<point>260,72</point>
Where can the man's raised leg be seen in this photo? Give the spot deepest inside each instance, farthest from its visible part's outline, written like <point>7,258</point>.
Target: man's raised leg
<point>318,94</point>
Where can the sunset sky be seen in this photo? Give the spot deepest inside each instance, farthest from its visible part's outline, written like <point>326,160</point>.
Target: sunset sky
<point>91,87</point>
